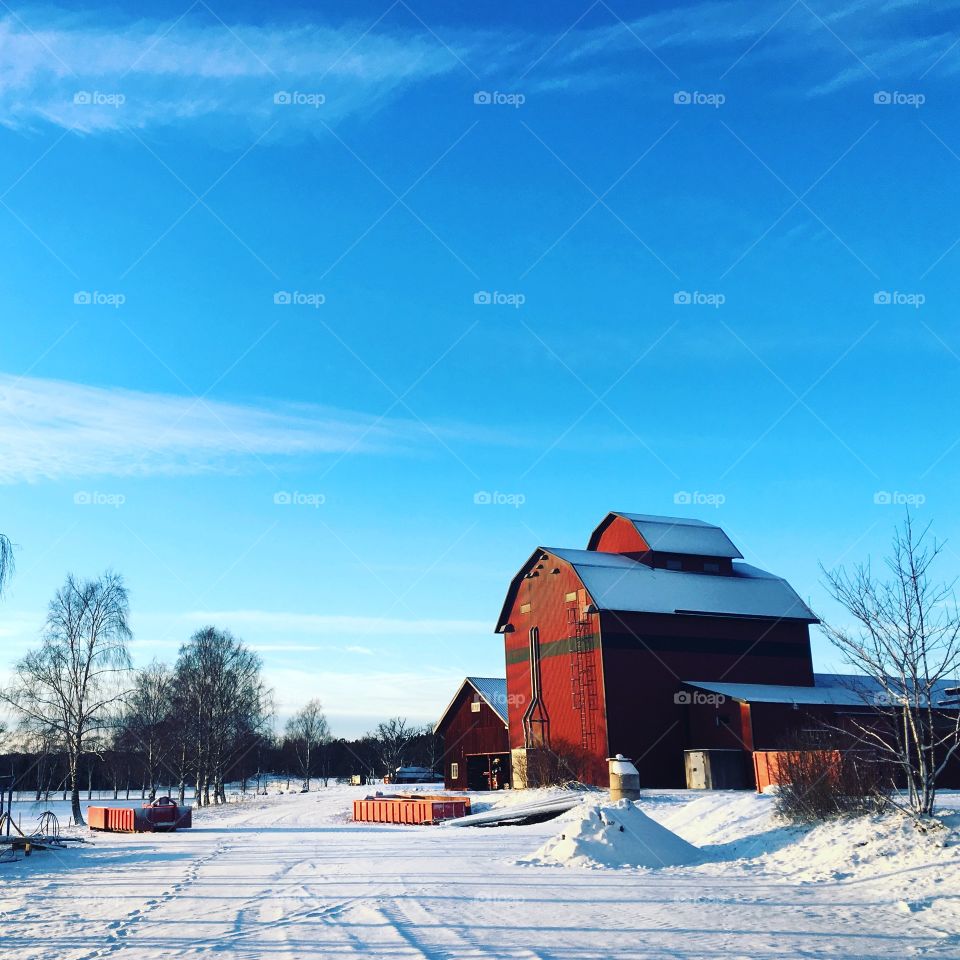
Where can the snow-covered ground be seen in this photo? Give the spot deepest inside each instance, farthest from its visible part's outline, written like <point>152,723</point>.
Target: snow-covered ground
<point>290,877</point>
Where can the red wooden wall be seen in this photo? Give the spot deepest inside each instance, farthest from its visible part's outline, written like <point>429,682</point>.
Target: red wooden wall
<point>542,602</point>
<point>465,732</point>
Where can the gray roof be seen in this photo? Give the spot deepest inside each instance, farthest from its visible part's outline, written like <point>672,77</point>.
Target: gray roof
<point>492,690</point>
<point>682,535</point>
<point>834,689</point>
<point>616,582</point>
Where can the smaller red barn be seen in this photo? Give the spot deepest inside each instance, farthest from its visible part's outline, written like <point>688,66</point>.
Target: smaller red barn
<point>476,744</point>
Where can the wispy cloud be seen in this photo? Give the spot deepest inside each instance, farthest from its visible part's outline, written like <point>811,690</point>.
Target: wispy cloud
<point>93,75</point>
<point>52,429</point>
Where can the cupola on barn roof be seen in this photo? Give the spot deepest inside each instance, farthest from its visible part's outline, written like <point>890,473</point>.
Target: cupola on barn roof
<point>679,535</point>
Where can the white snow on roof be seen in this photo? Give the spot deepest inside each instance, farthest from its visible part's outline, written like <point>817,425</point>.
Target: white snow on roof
<point>775,693</point>
<point>616,582</point>
<point>682,535</point>
<point>836,689</point>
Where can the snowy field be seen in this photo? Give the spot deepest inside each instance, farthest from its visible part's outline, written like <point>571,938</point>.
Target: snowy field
<point>290,877</point>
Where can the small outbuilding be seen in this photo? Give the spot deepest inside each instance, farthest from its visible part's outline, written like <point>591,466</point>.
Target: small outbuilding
<point>476,742</point>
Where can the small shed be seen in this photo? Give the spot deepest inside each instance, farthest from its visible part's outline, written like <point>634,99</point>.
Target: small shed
<point>476,743</point>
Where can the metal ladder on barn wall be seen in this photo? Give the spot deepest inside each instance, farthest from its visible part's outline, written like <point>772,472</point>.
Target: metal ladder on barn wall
<point>583,680</point>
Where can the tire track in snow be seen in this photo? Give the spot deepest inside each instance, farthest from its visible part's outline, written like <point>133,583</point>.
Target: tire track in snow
<point>433,939</point>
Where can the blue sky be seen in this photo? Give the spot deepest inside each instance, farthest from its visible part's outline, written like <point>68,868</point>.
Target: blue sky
<point>243,259</point>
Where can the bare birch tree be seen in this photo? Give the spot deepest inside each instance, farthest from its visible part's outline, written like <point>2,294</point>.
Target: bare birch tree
<point>6,561</point>
<point>67,687</point>
<point>223,704</point>
<point>307,730</point>
<point>146,720</point>
<point>906,639</point>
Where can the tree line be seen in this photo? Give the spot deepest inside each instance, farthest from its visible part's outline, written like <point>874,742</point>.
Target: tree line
<point>86,718</point>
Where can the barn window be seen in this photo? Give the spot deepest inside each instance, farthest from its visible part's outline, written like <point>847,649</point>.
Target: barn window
<point>524,607</point>
<point>674,565</point>
<point>710,567</point>
<point>475,706</point>
<point>571,597</point>
<point>454,771</point>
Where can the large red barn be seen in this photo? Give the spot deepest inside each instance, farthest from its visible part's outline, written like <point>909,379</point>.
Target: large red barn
<point>606,647</point>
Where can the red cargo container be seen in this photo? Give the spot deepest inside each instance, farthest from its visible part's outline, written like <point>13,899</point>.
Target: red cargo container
<point>410,809</point>
<point>162,814</point>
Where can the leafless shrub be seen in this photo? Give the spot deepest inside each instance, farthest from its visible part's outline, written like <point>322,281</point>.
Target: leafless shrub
<point>820,780</point>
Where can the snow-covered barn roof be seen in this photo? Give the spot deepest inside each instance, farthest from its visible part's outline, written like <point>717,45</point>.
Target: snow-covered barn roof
<point>834,689</point>
<point>617,582</point>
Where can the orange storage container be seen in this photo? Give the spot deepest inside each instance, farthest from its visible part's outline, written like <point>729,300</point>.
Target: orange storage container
<point>410,809</point>
<point>149,818</point>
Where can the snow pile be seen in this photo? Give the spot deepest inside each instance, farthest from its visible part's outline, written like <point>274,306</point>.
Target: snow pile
<point>613,835</point>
